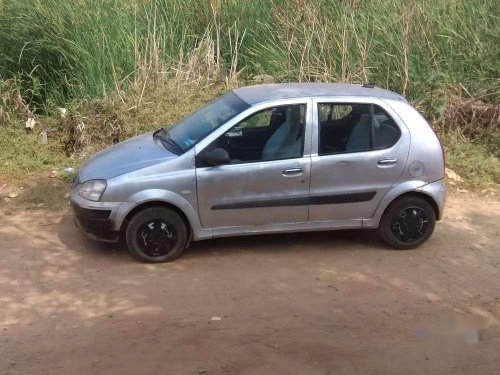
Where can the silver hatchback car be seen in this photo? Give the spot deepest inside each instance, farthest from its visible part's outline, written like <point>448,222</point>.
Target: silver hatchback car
<point>269,159</point>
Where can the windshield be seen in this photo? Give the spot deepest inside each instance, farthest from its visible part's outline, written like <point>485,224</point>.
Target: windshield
<point>189,131</point>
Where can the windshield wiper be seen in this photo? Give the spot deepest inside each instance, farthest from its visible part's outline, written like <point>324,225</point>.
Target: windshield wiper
<point>165,139</point>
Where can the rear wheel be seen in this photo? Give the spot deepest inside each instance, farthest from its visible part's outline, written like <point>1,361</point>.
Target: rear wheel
<point>156,235</point>
<point>407,223</point>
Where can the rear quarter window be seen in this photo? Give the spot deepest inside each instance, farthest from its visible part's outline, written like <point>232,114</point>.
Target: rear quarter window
<point>385,131</point>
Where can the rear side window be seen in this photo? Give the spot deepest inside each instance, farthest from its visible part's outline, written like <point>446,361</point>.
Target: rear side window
<point>347,128</point>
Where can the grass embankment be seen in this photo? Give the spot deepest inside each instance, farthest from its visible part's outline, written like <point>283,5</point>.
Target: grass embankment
<point>122,67</point>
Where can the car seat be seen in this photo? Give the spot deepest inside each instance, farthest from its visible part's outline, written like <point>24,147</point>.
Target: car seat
<point>286,141</point>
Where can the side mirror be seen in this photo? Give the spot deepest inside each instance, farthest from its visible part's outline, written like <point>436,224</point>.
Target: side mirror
<point>217,156</point>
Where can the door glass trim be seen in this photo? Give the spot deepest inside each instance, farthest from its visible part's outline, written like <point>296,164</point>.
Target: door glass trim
<point>297,160</point>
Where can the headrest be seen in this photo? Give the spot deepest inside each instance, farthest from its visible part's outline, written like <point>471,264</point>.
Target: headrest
<point>293,115</point>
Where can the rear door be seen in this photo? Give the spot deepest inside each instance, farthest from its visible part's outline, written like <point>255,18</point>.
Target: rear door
<point>360,148</point>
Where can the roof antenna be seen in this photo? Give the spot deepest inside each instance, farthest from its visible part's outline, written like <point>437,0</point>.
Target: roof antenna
<point>369,85</point>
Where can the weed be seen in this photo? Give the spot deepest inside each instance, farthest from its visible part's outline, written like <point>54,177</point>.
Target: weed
<point>122,68</point>
<point>471,159</point>
<point>22,154</point>
<point>74,50</point>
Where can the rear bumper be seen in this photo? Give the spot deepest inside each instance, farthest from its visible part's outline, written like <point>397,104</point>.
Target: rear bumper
<point>434,190</point>
<point>437,191</point>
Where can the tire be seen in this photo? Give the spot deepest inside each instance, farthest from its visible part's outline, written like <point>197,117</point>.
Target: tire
<point>407,223</point>
<point>156,235</point>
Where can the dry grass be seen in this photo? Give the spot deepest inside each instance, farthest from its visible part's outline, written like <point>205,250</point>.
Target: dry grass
<point>471,118</point>
<point>92,126</point>
<point>122,68</point>
<point>473,160</point>
<point>469,129</point>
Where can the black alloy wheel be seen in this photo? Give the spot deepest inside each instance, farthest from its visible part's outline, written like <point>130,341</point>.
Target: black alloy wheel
<point>410,224</point>
<point>407,222</point>
<point>156,237</point>
<point>156,234</point>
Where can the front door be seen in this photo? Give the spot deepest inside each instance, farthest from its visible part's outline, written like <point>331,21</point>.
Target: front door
<point>360,151</point>
<point>267,179</point>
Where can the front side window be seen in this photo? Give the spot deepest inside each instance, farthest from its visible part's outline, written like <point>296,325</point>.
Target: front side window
<point>272,134</point>
<point>348,128</point>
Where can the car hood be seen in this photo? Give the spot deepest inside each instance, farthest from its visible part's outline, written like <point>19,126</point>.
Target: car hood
<point>135,153</point>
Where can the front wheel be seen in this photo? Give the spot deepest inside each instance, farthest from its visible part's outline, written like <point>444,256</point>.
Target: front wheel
<point>407,223</point>
<point>156,235</point>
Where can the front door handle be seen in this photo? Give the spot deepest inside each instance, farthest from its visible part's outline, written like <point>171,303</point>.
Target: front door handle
<point>292,172</point>
<point>387,162</point>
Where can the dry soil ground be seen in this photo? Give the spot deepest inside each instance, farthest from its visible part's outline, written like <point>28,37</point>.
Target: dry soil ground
<point>316,303</point>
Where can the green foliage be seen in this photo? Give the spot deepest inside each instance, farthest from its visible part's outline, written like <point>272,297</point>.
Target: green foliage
<point>474,161</point>
<point>59,53</point>
<point>22,154</point>
<point>107,121</point>
<point>434,103</point>
<point>89,48</point>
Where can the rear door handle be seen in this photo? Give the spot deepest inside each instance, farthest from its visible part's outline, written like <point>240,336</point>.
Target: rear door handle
<point>292,172</point>
<point>387,162</point>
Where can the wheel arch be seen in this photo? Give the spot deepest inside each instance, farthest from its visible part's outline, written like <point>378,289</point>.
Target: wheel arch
<point>419,194</point>
<point>411,188</point>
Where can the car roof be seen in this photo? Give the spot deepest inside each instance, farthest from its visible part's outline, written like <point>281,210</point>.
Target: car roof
<point>263,93</point>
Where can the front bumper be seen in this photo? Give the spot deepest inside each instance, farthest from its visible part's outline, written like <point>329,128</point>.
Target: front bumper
<point>99,220</point>
<point>95,223</point>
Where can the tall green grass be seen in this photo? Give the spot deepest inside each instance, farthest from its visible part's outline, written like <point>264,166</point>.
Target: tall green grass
<point>68,50</point>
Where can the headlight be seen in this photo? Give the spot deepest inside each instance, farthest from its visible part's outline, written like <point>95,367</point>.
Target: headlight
<point>92,189</point>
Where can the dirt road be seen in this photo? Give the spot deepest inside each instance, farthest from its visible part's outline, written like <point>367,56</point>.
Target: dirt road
<point>316,303</point>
